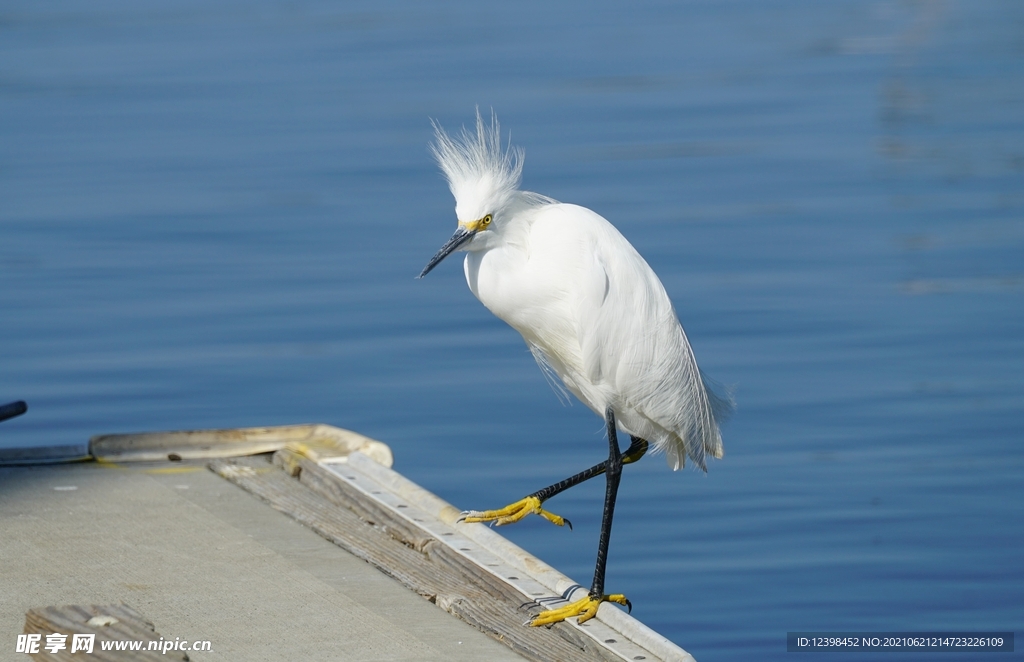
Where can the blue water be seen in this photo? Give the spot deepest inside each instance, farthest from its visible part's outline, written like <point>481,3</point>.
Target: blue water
<point>211,215</point>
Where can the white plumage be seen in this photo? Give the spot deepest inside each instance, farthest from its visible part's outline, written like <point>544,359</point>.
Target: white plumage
<point>587,304</point>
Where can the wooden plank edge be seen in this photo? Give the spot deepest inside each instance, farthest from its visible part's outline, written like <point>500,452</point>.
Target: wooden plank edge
<point>318,441</point>
<point>419,562</point>
<point>559,584</point>
<point>415,515</point>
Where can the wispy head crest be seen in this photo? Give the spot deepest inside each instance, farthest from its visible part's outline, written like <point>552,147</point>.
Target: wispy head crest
<point>482,176</point>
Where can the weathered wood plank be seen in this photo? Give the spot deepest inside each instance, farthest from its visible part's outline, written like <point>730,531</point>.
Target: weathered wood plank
<point>108,622</point>
<point>614,628</point>
<point>476,551</point>
<point>406,553</point>
<point>317,441</point>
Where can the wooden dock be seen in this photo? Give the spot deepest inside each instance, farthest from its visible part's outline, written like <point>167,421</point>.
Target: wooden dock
<point>340,485</point>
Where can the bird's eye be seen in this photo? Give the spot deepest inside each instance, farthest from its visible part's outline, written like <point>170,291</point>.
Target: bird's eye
<point>485,221</point>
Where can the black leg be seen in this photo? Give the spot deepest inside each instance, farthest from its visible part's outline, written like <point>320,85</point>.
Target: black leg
<point>635,451</point>
<point>586,608</point>
<point>532,503</point>
<point>612,474</point>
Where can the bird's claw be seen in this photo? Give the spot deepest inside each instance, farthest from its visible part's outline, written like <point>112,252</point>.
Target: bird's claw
<point>512,513</point>
<point>585,609</point>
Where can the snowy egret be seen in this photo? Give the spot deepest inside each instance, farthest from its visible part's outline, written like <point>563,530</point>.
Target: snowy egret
<point>591,311</point>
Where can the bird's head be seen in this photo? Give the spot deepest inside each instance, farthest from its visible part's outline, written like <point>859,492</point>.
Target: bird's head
<point>484,179</point>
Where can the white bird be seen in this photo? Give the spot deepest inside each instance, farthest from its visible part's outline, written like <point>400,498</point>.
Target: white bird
<point>592,312</point>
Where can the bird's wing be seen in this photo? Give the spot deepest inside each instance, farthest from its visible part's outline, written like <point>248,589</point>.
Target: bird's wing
<point>550,374</point>
<point>635,351</point>
<point>609,331</point>
<point>594,286</point>
<point>613,297</point>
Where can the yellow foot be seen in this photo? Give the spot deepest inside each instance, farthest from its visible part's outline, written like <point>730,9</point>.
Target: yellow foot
<point>586,609</point>
<point>512,513</point>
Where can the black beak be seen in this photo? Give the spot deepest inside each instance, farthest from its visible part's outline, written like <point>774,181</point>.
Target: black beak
<point>461,236</point>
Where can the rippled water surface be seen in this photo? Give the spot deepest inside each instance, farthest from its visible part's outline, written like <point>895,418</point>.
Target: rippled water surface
<point>211,215</point>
